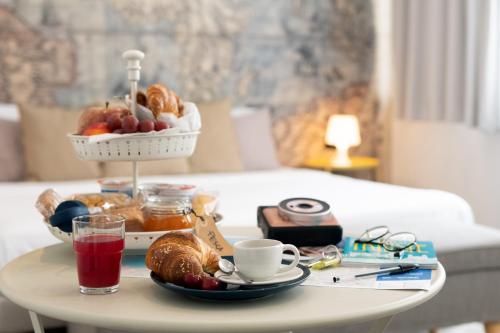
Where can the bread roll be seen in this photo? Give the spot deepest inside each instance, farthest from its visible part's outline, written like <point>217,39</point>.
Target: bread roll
<point>142,99</point>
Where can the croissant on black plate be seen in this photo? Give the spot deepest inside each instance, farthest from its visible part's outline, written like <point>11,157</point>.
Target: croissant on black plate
<point>177,253</point>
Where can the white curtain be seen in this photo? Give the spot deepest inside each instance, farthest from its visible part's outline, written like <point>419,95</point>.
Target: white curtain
<point>446,56</point>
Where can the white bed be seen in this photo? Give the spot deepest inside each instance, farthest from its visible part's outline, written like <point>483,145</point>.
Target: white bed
<point>356,203</point>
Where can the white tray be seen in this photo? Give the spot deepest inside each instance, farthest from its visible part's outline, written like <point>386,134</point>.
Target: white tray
<point>135,147</point>
<point>133,240</point>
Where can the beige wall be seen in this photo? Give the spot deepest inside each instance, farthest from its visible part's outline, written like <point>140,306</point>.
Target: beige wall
<point>450,157</point>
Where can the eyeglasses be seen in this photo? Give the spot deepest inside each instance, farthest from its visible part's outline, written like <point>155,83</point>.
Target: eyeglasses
<point>381,235</point>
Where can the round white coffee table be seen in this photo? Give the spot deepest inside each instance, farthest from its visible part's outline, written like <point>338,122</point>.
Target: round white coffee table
<point>45,282</point>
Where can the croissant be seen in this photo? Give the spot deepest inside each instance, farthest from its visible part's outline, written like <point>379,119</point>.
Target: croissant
<point>180,105</point>
<point>161,99</point>
<point>176,253</point>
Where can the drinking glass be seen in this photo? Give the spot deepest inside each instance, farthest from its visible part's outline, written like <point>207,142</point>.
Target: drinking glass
<point>98,241</point>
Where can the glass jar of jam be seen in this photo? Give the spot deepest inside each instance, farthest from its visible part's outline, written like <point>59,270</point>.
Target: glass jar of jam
<point>167,214</point>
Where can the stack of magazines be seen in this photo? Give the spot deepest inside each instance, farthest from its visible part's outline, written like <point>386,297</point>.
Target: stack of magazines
<point>367,254</point>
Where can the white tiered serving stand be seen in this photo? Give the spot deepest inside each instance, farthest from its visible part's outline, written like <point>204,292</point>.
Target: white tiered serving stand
<point>134,148</point>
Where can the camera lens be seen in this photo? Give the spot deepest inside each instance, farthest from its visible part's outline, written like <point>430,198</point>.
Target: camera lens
<point>304,206</point>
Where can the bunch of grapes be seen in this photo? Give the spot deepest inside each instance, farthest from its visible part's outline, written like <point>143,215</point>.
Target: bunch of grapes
<point>130,124</point>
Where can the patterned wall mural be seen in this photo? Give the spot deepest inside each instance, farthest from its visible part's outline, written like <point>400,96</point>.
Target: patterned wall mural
<point>305,59</point>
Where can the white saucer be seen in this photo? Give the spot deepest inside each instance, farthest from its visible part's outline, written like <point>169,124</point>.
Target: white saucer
<point>278,278</point>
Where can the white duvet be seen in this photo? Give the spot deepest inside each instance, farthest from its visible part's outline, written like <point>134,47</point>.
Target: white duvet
<point>356,203</point>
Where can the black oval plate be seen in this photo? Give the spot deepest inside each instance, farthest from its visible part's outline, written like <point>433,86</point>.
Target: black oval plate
<point>236,293</point>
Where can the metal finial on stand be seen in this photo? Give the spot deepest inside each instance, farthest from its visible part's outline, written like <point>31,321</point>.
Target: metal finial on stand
<point>134,58</point>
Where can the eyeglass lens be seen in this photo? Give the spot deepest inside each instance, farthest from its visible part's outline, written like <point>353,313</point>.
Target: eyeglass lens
<point>374,233</point>
<point>399,241</point>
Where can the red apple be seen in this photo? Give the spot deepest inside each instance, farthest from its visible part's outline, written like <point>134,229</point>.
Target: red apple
<point>116,111</point>
<point>94,115</point>
<point>96,129</point>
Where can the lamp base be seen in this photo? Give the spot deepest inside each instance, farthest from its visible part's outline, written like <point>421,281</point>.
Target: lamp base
<point>341,157</point>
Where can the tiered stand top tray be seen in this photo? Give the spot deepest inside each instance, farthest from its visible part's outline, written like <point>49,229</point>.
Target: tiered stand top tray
<point>135,147</point>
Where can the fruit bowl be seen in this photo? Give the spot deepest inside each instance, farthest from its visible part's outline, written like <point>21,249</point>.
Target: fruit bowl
<point>135,147</point>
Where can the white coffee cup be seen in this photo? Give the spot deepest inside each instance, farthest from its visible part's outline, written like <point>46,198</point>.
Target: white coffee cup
<point>260,259</point>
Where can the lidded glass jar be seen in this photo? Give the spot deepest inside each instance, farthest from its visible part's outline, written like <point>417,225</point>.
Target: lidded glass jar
<point>165,210</point>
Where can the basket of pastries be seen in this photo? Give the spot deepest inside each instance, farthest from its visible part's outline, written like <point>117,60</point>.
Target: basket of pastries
<point>158,209</point>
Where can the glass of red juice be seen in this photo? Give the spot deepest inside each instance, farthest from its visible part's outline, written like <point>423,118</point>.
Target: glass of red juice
<point>98,241</point>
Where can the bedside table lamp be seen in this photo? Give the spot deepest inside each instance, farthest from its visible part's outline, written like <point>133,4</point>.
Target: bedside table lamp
<point>343,133</point>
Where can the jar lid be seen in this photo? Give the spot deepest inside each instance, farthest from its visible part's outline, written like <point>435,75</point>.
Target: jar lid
<point>167,190</point>
<point>168,205</point>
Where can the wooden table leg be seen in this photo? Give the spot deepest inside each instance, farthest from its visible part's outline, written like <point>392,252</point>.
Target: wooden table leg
<point>36,322</point>
<point>380,325</point>
<point>492,327</point>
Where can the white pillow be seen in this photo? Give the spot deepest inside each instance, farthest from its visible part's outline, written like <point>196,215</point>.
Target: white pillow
<point>11,153</point>
<point>9,112</point>
<point>254,132</point>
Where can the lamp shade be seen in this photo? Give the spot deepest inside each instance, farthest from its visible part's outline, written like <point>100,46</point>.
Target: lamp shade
<point>343,131</point>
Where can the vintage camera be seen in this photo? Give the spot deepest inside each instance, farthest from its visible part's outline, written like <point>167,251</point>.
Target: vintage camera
<point>304,211</point>
<point>301,222</point>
